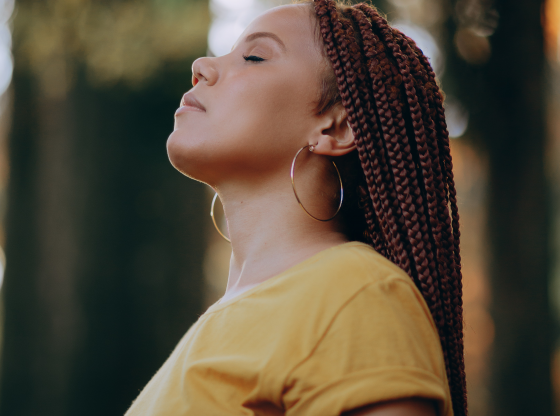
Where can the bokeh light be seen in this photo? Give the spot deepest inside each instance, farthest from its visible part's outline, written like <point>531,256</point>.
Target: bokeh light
<point>6,61</point>
<point>230,18</point>
<point>425,42</point>
<point>457,117</point>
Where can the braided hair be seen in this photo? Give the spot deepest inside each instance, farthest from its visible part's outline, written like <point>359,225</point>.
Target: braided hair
<point>405,188</point>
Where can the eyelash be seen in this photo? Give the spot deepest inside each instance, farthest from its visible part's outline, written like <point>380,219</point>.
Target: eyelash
<point>253,58</point>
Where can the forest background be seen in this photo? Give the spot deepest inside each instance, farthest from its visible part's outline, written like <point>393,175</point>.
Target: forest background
<point>110,254</point>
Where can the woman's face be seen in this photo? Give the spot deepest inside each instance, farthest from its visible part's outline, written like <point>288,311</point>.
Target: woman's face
<point>259,102</point>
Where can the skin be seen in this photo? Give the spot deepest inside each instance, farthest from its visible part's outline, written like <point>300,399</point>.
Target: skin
<point>256,116</point>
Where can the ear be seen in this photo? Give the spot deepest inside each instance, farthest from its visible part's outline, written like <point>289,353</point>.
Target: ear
<point>334,136</point>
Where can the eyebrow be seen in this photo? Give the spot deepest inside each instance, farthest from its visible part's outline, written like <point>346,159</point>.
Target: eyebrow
<point>258,35</point>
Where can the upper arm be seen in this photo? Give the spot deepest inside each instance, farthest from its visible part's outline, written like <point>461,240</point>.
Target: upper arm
<point>409,407</point>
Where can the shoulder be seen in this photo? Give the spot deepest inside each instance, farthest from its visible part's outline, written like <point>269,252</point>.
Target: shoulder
<point>349,282</point>
<point>361,259</point>
<point>341,272</point>
<point>355,282</point>
<point>370,334</point>
<point>356,296</point>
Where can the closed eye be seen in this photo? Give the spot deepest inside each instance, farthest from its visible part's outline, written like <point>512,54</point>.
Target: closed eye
<point>253,58</point>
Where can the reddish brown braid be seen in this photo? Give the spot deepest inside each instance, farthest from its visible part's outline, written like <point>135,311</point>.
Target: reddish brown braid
<point>395,109</point>
<point>387,223</point>
<point>445,233</point>
<point>449,237</point>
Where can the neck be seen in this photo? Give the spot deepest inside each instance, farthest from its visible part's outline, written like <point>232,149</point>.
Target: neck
<point>270,233</point>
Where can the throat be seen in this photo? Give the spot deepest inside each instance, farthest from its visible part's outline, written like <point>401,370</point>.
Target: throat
<point>269,261</point>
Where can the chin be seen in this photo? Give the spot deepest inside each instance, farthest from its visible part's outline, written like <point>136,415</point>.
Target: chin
<point>186,159</point>
<point>210,159</point>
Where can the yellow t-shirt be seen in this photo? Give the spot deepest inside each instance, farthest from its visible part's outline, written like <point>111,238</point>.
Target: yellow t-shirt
<point>343,329</point>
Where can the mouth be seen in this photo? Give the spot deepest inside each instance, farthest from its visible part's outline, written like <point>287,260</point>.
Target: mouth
<point>190,103</point>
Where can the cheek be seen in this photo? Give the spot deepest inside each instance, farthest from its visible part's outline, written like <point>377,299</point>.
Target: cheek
<point>264,131</point>
<point>250,128</point>
<point>273,113</point>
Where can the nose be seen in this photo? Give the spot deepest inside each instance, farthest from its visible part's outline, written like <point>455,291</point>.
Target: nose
<point>204,69</point>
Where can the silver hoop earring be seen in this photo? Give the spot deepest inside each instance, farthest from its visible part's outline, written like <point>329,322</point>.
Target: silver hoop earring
<point>214,219</point>
<point>295,192</point>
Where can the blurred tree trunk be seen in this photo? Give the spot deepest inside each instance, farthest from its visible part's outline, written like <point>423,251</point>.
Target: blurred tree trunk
<point>506,97</point>
<point>104,244</point>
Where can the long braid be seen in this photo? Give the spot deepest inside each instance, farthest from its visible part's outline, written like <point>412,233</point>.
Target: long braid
<point>444,149</point>
<point>454,235</point>
<point>443,211</point>
<point>430,283</point>
<point>376,149</point>
<point>395,226</point>
<point>446,156</point>
<point>430,290</point>
<point>398,141</point>
<point>395,110</point>
<point>441,229</point>
<point>380,203</point>
<point>451,229</point>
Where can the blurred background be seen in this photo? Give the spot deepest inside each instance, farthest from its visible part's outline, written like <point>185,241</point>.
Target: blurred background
<point>110,254</point>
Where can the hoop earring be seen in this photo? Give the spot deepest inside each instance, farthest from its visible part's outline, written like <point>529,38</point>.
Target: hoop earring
<point>214,219</point>
<point>295,192</point>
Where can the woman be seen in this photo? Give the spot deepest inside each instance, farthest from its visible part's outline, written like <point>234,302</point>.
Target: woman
<point>350,309</point>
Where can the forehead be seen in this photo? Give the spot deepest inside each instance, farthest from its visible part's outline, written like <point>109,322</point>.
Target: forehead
<point>294,24</point>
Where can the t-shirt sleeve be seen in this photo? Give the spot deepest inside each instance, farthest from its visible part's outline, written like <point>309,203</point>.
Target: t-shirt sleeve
<point>381,345</point>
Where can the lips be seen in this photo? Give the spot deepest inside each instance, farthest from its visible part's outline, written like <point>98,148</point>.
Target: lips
<point>190,101</point>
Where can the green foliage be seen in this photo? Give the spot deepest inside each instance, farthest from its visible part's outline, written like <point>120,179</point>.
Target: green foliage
<point>115,41</point>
